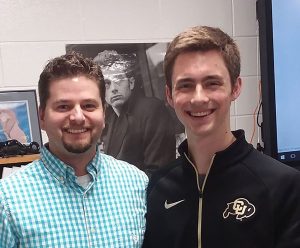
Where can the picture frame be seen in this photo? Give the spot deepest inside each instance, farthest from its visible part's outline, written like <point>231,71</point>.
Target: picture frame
<point>19,116</point>
<point>122,136</point>
<point>149,62</point>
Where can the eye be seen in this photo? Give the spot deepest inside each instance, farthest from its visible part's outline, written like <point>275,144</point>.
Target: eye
<point>62,107</point>
<point>213,83</point>
<point>90,106</point>
<point>107,84</point>
<point>184,85</point>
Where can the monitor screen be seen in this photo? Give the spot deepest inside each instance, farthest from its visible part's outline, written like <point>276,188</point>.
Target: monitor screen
<point>279,26</point>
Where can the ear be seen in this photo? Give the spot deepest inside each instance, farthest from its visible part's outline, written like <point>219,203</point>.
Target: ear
<point>131,83</point>
<point>41,113</point>
<point>169,96</point>
<point>103,110</point>
<point>236,90</point>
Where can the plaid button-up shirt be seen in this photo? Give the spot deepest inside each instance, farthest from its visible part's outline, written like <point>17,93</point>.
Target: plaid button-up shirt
<point>42,205</point>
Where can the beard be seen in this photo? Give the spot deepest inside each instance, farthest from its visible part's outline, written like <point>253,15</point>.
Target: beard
<point>77,148</point>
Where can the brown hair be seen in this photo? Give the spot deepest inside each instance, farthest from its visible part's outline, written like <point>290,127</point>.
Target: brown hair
<point>203,38</point>
<point>69,65</point>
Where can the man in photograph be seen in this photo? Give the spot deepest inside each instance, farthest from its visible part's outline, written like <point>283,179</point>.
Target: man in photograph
<point>138,129</point>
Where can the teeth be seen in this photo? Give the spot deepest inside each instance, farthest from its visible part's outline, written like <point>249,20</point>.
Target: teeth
<point>77,130</point>
<point>200,114</point>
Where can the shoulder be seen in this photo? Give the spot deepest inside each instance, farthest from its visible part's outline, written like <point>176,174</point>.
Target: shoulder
<point>168,175</point>
<point>151,103</point>
<point>123,169</point>
<point>24,175</point>
<point>22,183</point>
<point>271,171</point>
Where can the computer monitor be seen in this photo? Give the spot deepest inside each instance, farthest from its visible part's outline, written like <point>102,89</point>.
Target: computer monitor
<point>279,39</point>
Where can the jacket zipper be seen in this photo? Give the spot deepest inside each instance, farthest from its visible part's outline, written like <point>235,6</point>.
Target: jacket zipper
<point>200,189</point>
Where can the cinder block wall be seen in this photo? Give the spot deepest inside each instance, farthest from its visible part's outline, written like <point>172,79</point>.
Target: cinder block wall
<point>34,31</point>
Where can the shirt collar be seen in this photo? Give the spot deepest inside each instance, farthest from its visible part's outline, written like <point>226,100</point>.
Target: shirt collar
<point>61,171</point>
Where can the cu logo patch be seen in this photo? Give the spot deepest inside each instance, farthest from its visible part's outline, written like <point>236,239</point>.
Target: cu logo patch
<point>241,208</point>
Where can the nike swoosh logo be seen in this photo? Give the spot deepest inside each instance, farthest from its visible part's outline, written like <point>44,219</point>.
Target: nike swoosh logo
<point>170,205</point>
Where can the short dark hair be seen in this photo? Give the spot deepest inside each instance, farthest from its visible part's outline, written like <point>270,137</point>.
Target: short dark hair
<point>69,65</point>
<point>203,38</point>
<point>112,60</point>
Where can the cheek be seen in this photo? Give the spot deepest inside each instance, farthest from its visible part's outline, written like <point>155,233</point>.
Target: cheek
<point>222,97</point>
<point>181,100</point>
<point>53,120</point>
<point>97,119</point>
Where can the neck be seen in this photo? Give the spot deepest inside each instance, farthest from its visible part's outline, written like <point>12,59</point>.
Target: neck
<point>203,149</point>
<point>78,161</point>
<point>117,111</point>
<point>79,164</point>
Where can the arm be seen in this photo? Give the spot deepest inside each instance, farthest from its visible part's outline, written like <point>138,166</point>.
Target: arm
<point>7,238</point>
<point>288,225</point>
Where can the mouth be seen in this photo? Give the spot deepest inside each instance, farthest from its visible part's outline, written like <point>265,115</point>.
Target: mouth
<point>200,114</point>
<point>116,98</point>
<point>75,131</point>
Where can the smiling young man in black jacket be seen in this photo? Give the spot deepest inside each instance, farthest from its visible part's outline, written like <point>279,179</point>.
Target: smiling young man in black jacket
<point>220,192</point>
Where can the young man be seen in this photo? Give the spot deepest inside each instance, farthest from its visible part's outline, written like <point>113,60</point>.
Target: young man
<point>220,192</point>
<point>138,129</point>
<point>73,196</point>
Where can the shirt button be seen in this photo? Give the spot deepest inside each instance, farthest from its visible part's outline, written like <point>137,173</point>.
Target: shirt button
<point>135,238</point>
<point>93,230</point>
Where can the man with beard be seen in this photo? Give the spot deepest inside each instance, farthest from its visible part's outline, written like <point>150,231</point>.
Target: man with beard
<point>139,129</point>
<point>73,196</point>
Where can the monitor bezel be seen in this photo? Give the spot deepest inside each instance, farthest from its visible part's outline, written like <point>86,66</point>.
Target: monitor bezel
<point>269,124</point>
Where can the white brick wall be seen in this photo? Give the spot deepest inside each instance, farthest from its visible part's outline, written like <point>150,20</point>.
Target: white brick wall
<point>33,31</point>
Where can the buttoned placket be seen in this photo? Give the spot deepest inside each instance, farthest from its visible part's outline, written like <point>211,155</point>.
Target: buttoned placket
<point>89,228</point>
<point>71,179</point>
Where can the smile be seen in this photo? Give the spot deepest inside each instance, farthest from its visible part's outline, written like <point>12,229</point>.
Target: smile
<point>76,131</point>
<point>200,114</point>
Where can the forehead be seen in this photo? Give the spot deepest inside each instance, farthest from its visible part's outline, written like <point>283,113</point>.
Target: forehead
<point>199,62</point>
<point>74,88</point>
<point>113,74</point>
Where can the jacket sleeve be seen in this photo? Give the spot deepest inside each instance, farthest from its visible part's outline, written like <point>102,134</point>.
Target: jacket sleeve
<point>288,231</point>
<point>159,138</point>
<point>7,237</point>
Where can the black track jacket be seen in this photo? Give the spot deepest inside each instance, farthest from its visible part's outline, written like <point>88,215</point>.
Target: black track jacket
<point>247,200</point>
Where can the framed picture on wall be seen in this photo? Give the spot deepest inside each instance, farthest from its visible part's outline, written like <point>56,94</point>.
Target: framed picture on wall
<point>19,117</point>
<point>149,58</point>
<point>140,126</point>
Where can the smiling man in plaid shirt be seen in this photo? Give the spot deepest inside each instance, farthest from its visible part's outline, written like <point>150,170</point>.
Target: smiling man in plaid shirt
<point>73,196</point>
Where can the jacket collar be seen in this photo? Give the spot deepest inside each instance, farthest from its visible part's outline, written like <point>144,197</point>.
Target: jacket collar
<point>231,155</point>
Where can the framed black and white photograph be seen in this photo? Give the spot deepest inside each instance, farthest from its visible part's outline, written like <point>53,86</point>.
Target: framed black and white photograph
<point>19,117</point>
<point>140,126</point>
<point>149,59</point>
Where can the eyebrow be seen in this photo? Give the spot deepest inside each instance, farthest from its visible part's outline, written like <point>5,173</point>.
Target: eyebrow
<point>214,76</point>
<point>65,101</point>
<point>192,79</point>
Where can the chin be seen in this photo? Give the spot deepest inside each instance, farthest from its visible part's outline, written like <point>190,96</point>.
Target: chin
<point>203,130</point>
<point>77,148</point>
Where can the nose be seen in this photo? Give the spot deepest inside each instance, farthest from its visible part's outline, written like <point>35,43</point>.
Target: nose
<point>77,115</point>
<point>114,87</point>
<point>200,95</point>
